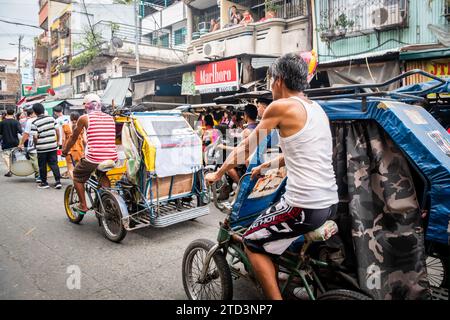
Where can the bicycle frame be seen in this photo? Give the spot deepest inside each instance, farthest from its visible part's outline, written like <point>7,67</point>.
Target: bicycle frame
<point>297,265</point>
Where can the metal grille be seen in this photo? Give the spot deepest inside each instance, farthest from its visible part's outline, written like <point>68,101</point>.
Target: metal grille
<point>348,16</point>
<point>160,38</point>
<point>286,9</point>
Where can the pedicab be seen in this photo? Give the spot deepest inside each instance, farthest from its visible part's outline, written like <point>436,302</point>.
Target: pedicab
<point>158,180</point>
<point>213,155</point>
<point>392,164</point>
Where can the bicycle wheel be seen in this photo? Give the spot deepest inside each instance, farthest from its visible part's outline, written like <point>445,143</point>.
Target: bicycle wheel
<point>437,271</point>
<point>111,218</point>
<point>217,285</point>
<point>342,294</point>
<point>70,200</point>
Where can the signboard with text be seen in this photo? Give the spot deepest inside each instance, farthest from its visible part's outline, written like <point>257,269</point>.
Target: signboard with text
<point>29,90</point>
<point>219,76</point>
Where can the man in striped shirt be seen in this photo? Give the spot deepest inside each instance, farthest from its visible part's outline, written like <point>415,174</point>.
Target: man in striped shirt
<point>46,138</point>
<point>101,145</point>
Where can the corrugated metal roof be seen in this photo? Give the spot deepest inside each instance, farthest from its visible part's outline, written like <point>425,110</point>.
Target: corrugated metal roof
<point>361,56</point>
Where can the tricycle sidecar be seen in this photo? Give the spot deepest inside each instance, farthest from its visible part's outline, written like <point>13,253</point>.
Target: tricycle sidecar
<point>392,165</point>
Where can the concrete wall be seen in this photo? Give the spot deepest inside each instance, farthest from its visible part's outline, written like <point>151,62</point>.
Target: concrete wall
<point>164,54</point>
<point>166,17</point>
<point>117,13</point>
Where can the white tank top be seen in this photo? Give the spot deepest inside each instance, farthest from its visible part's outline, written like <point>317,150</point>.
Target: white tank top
<point>311,182</point>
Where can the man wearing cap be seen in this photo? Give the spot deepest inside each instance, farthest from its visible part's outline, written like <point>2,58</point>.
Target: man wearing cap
<point>101,145</point>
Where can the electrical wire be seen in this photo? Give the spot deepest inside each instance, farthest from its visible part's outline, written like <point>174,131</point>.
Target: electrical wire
<point>366,51</point>
<point>90,25</point>
<point>20,24</point>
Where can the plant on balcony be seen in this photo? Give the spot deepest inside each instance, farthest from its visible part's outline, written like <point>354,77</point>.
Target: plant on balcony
<point>271,8</point>
<point>336,30</point>
<point>91,49</point>
<point>342,23</point>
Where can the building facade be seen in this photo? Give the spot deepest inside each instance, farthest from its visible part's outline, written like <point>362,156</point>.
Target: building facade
<point>9,83</point>
<point>275,28</point>
<point>372,40</point>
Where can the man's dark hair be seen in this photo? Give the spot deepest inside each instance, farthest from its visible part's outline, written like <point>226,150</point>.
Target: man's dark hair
<point>74,116</point>
<point>29,112</point>
<point>292,69</point>
<point>10,111</point>
<point>209,121</point>
<point>57,109</point>
<point>38,109</point>
<point>264,100</point>
<point>218,115</point>
<point>251,111</point>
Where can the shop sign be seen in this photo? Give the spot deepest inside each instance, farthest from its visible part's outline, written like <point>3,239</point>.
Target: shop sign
<point>219,76</point>
<point>29,90</point>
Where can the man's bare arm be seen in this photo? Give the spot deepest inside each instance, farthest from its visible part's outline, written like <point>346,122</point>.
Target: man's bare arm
<point>81,124</point>
<point>25,137</point>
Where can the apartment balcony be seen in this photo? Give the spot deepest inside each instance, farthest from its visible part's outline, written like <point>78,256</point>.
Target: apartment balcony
<point>275,37</point>
<point>275,27</point>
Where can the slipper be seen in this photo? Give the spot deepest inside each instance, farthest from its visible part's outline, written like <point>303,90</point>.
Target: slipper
<point>81,212</point>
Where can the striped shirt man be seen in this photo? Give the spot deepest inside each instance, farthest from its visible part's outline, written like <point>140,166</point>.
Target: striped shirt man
<point>101,138</point>
<point>43,127</point>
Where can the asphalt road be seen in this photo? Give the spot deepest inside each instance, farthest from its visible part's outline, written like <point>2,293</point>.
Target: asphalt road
<point>38,244</point>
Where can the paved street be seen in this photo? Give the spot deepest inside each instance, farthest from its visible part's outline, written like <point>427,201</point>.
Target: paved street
<point>38,243</point>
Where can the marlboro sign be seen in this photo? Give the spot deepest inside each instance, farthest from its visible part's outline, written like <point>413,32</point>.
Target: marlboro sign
<point>219,76</point>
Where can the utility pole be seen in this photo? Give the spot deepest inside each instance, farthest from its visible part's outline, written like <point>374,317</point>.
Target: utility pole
<point>18,65</point>
<point>136,36</point>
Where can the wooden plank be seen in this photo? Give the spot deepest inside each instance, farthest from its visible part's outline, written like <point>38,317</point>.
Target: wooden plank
<point>181,184</point>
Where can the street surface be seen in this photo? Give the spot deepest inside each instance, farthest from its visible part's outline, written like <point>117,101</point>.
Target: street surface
<point>38,244</point>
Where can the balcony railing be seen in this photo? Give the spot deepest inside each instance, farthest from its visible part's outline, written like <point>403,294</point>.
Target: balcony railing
<point>345,17</point>
<point>165,38</point>
<point>286,9</point>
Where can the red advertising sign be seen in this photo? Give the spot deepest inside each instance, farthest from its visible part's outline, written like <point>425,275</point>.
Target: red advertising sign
<point>219,76</point>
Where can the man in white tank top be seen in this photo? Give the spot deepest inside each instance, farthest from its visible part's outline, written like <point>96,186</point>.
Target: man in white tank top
<point>311,190</point>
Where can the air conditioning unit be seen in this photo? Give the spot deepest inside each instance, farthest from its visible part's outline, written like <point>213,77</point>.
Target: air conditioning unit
<point>214,49</point>
<point>384,16</point>
<point>203,26</point>
<point>83,86</point>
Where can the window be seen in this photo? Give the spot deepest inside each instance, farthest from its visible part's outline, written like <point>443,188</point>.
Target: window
<point>164,40</point>
<point>158,39</point>
<point>180,36</point>
<point>98,82</point>
<point>1,85</point>
<point>81,83</point>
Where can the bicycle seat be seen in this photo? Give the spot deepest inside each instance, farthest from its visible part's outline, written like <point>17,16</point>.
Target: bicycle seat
<point>106,165</point>
<point>323,233</point>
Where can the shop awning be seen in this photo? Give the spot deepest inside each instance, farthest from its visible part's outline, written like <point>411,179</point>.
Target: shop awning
<point>382,54</point>
<point>116,91</point>
<point>425,54</point>
<point>49,105</point>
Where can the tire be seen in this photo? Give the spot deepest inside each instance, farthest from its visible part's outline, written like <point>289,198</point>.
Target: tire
<point>342,294</point>
<point>437,271</point>
<point>111,219</point>
<point>70,199</point>
<point>207,291</point>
